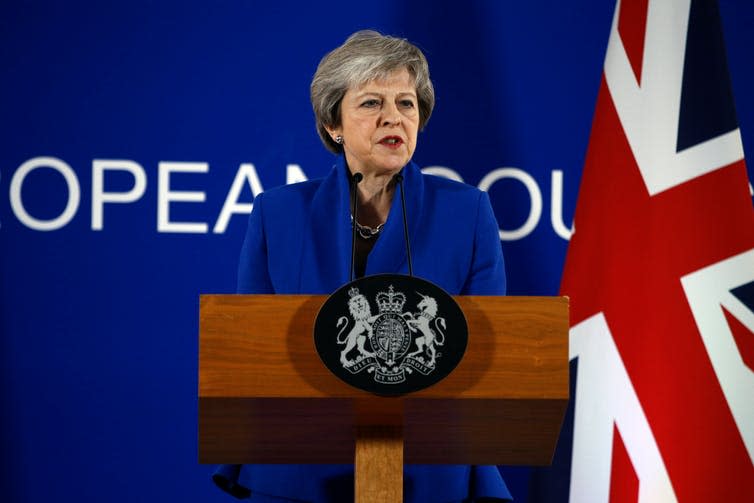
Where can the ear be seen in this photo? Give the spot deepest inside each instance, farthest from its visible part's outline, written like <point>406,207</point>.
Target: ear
<point>334,131</point>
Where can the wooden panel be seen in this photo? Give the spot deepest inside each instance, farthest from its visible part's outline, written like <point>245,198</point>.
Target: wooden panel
<point>303,430</point>
<point>264,394</point>
<point>270,430</point>
<point>378,474</point>
<point>262,346</point>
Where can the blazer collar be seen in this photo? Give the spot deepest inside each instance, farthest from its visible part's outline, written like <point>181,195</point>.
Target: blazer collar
<point>326,254</point>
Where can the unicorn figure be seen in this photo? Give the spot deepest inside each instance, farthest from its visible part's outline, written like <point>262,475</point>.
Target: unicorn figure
<point>425,318</point>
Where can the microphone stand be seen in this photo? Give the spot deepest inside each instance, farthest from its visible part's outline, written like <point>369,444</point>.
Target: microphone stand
<point>357,177</point>
<point>399,178</point>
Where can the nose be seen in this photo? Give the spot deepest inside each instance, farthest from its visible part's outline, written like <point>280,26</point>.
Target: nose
<point>390,115</point>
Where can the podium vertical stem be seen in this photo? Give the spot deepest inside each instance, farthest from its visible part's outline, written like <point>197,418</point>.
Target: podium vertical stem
<point>378,474</point>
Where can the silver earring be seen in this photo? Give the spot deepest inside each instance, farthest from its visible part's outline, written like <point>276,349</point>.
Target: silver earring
<point>339,140</point>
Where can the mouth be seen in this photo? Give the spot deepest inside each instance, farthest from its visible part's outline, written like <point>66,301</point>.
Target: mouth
<point>391,141</point>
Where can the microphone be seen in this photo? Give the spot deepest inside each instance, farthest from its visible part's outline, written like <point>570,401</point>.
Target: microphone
<point>357,177</point>
<point>399,179</point>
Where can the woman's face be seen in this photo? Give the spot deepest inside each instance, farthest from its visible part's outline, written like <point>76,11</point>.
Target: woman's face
<point>379,124</point>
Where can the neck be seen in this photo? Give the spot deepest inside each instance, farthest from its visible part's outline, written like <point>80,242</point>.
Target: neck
<point>375,196</point>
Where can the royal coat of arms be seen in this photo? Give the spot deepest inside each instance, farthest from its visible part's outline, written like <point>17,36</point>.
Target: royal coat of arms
<point>393,342</point>
<point>390,334</point>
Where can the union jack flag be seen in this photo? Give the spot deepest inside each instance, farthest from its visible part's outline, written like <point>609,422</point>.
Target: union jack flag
<point>660,272</point>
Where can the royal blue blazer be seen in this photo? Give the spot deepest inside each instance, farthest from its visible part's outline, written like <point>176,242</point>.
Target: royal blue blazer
<point>299,242</point>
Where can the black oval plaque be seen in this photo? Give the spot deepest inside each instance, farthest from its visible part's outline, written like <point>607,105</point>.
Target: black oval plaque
<point>390,334</point>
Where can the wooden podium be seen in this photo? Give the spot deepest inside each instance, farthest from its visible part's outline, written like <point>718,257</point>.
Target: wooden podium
<point>266,397</point>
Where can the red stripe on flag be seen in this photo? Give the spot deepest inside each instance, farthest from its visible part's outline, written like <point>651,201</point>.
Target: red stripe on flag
<point>632,23</point>
<point>744,339</point>
<point>624,483</point>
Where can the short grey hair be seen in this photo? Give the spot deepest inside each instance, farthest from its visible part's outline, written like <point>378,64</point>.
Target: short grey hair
<point>366,56</point>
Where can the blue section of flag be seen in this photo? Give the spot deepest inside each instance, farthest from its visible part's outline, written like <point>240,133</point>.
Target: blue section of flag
<point>745,293</point>
<point>707,107</point>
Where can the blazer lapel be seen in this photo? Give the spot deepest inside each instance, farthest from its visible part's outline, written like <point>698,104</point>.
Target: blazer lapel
<point>389,252</point>
<point>326,252</point>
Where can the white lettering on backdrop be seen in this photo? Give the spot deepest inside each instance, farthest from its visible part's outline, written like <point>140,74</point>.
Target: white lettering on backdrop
<point>234,203</point>
<point>72,183</point>
<point>100,197</point>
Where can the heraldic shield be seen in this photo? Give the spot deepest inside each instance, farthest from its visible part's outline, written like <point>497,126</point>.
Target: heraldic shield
<point>390,334</point>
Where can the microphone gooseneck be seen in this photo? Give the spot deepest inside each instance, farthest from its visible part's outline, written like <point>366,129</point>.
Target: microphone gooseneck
<point>357,177</point>
<point>399,179</point>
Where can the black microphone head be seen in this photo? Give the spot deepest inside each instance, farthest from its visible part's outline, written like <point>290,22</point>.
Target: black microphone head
<point>357,177</point>
<point>398,178</point>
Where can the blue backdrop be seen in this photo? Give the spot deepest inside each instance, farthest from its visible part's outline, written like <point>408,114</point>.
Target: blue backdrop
<point>99,297</point>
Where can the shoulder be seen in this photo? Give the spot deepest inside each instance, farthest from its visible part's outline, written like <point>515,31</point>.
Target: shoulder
<point>443,190</point>
<point>286,195</point>
<point>287,201</point>
<point>457,203</point>
<point>442,184</point>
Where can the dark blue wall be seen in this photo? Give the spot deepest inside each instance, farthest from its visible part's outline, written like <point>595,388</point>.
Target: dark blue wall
<point>98,328</point>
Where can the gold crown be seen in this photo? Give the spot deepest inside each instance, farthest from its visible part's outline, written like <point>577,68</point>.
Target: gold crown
<point>390,301</point>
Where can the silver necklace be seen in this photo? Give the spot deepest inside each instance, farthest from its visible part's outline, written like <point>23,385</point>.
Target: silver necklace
<point>367,232</point>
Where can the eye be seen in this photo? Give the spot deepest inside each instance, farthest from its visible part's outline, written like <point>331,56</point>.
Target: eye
<point>370,103</point>
<point>407,103</point>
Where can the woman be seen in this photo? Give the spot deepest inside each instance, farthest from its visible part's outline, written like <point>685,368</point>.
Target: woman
<point>371,96</point>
